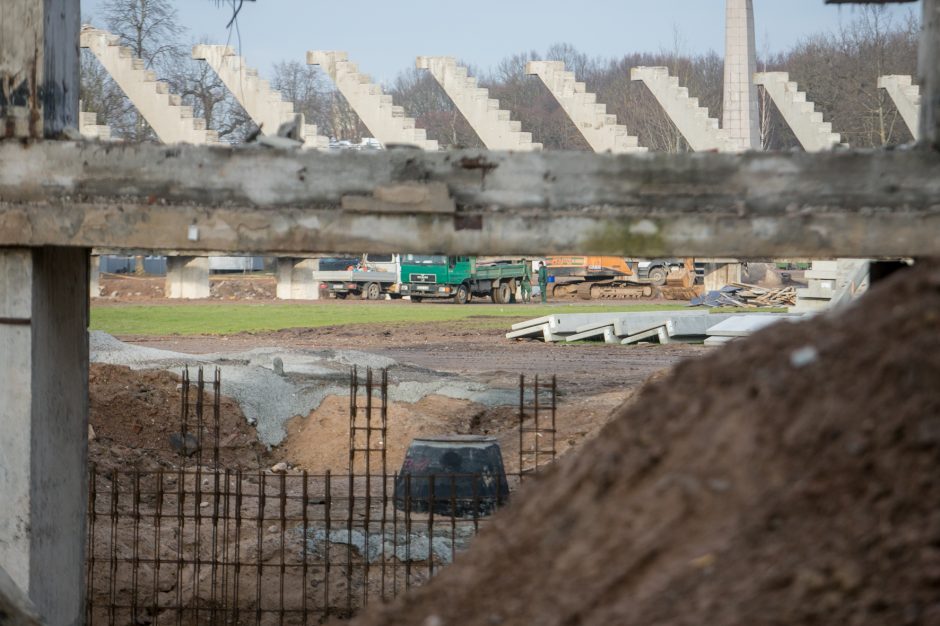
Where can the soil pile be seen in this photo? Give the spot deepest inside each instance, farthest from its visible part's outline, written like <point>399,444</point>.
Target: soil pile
<point>791,478</point>
<point>133,415</point>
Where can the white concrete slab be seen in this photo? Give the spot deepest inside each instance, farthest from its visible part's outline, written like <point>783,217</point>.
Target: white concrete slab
<point>743,325</point>
<point>660,334</point>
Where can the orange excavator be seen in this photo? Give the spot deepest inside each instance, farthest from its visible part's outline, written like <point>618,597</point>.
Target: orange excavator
<point>601,277</point>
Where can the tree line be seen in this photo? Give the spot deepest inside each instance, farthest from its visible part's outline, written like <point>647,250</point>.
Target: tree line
<point>839,72</point>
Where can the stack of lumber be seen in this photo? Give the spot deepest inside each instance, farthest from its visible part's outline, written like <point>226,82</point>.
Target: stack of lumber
<point>754,296</point>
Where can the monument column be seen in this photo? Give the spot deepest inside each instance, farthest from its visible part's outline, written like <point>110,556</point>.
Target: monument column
<point>740,115</point>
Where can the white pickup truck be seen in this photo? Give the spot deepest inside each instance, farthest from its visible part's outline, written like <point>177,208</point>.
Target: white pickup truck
<point>374,276</point>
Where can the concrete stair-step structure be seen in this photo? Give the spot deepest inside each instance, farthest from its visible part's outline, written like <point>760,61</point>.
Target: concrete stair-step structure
<point>701,132</point>
<point>801,115</point>
<point>89,127</point>
<point>906,96</point>
<point>170,120</point>
<point>599,129</point>
<point>491,124</point>
<point>265,105</point>
<point>832,284</point>
<point>385,121</point>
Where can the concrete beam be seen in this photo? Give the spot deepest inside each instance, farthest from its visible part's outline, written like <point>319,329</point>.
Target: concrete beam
<point>44,417</point>
<point>246,200</point>
<point>739,109</point>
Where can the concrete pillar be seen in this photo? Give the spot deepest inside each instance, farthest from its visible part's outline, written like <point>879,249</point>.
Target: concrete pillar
<point>296,279</point>
<point>739,112</point>
<point>94,276</point>
<point>718,275</point>
<point>187,277</point>
<point>44,422</point>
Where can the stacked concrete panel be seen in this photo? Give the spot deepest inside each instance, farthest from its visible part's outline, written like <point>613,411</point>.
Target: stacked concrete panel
<point>171,121</point>
<point>806,123</point>
<point>700,131</point>
<point>385,121</point>
<point>265,105</point>
<point>739,107</point>
<point>599,129</point>
<point>492,125</point>
<point>89,127</point>
<point>906,97</point>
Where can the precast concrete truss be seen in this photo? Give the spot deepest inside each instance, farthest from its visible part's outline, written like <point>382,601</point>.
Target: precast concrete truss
<point>493,125</point>
<point>801,115</point>
<point>384,119</point>
<point>598,127</point>
<point>906,97</point>
<point>265,105</point>
<point>170,119</point>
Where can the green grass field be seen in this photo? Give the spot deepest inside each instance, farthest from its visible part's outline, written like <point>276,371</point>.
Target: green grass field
<point>227,319</point>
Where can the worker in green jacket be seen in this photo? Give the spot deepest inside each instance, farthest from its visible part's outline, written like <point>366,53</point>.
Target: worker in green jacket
<point>543,280</point>
<point>526,282</point>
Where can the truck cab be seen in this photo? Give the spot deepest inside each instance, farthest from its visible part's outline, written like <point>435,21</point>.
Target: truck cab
<point>433,275</point>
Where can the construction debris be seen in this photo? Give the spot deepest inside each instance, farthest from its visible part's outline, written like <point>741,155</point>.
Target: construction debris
<point>747,296</point>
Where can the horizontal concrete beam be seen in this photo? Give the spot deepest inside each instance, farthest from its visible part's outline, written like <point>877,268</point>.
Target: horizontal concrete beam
<point>245,200</point>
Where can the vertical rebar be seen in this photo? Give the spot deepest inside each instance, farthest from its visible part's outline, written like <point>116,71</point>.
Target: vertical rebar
<point>408,531</point>
<point>349,527</point>
<point>216,417</point>
<point>135,559</point>
<point>303,595</point>
<point>453,517</point>
<point>368,507</point>
<point>535,432</point>
<point>521,421</point>
<point>327,520</point>
<point>90,562</point>
<point>226,515</point>
<point>395,540</point>
<point>431,503</point>
<point>283,573</point>
<point>262,493</point>
<point>384,434</point>
<point>554,399</point>
<point>238,536</point>
<point>184,411</point>
<point>181,525</point>
<point>157,515</point>
<point>112,581</point>
<point>200,403</point>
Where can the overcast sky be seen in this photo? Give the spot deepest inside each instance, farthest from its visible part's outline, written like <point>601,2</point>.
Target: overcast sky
<point>384,36</point>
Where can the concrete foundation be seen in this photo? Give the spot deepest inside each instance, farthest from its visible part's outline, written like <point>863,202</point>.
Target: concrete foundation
<point>718,275</point>
<point>187,277</point>
<point>296,279</point>
<point>44,420</point>
<point>739,110</point>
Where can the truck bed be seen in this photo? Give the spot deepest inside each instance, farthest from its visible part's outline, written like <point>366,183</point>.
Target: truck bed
<point>356,277</point>
<point>500,270</point>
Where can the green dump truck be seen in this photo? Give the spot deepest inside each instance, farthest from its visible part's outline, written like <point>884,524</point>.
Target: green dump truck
<point>460,278</point>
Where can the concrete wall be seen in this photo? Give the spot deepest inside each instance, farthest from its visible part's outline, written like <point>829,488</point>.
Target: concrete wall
<point>44,418</point>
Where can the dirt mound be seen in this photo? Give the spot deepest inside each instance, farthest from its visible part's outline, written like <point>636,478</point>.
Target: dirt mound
<point>133,414</point>
<point>796,482</point>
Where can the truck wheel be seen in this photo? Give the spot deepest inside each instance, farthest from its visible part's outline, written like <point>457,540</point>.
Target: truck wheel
<point>463,295</point>
<point>416,298</point>
<point>373,291</point>
<point>494,295</point>
<point>658,276</point>
<point>504,292</point>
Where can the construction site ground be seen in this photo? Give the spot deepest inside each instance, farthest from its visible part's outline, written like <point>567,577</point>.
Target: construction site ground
<point>593,380</point>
